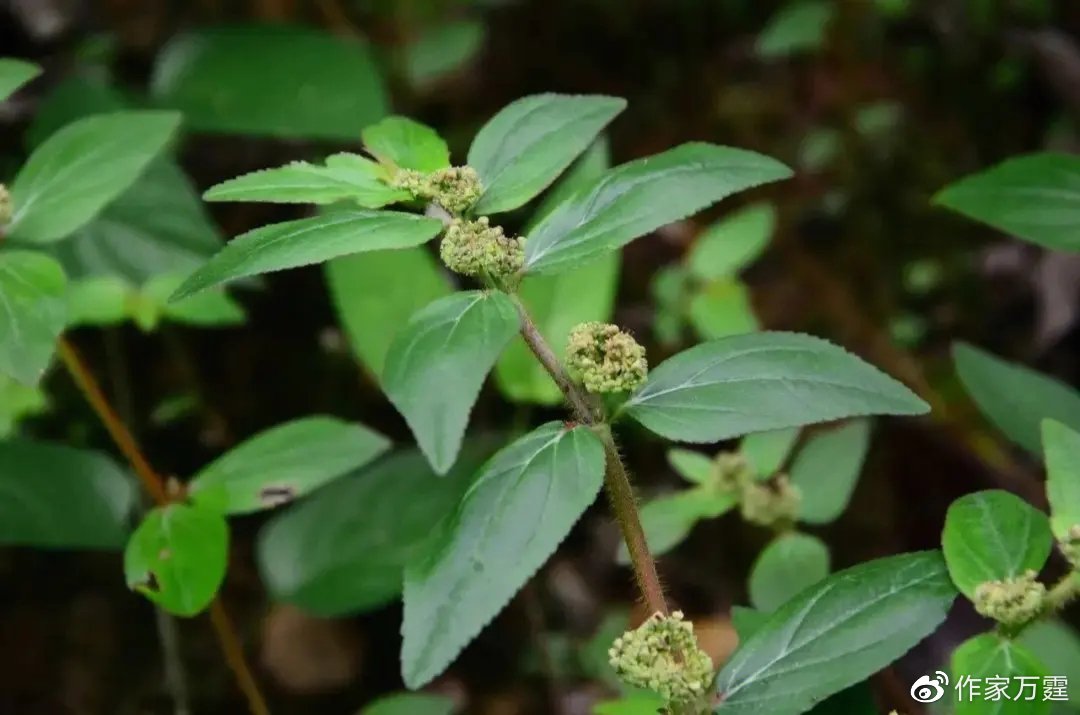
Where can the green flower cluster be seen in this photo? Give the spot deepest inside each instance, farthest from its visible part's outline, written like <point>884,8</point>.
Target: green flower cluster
<point>1013,601</point>
<point>605,359</point>
<point>770,504</point>
<point>7,207</point>
<point>455,188</point>
<point>662,655</point>
<point>476,248</point>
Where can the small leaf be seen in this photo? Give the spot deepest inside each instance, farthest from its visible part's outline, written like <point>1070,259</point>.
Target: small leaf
<point>405,144</point>
<point>993,535</point>
<point>667,520</point>
<point>1062,447</point>
<point>177,557</point>
<point>836,634</point>
<point>1058,646</point>
<point>642,703</point>
<point>790,563</point>
<point>346,177</point>
<point>764,381</point>
<point>310,240</point>
<point>826,469</point>
<point>517,513</point>
<point>987,657</point>
<point>70,178</point>
<point>733,243</point>
<point>283,463</point>
<point>1015,398</point>
<point>411,704</point>
<point>437,364</point>
<point>442,50</point>
<point>18,402</point>
<point>721,309</point>
<point>692,466</point>
<point>14,74</point>
<point>208,308</point>
<point>99,300</point>
<point>33,312</point>
<point>636,198</point>
<point>768,451</point>
<point>525,147</point>
<point>798,27</point>
<point>1034,197</point>
<point>57,497</point>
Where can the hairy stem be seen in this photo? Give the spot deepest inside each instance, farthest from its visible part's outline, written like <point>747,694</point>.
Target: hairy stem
<point>616,482</point>
<point>155,487</point>
<point>1063,592</point>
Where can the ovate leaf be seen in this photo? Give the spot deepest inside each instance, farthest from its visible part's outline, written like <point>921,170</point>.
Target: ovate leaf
<point>636,198</point>
<point>790,563</point>
<point>14,74</point>
<point>411,704</point>
<point>798,27</point>
<point>520,509</point>
<point>836,634</point>
<point>178,556</point>
<point>310,240</point>
<point>996,664</point>
<point>1034,197</point>
<point>81,168</point>
<point>442,50</point>
<point>1062,449</point>
<point>437,364</point>
<point>768,451</point>
<point>525,147</point>
<point>33,311</point>
<point>345,177</point>
<point>733,243</point>
<point>406,144</point>
<point>827,468</point>
<point>765,381</point>
<point>993,535</point>
<point>57,497</point>
<point>722,308</point>
<point>283,463</point>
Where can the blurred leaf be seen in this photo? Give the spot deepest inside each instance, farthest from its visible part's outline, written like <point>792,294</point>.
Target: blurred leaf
<point>797,28</point>
<point>77,171</point>
<point>284,463</point>
<point>1015,398</point>
<point>819,148</point>
<point>57,497</point>
<point>33,307</point>
<point>836,634</point>
<point>14,73</point>
<point>442,50</point>
<point>97,301</point>
<point>732,243</point>
<point>991,536</point>
<point>1058,646</point>
<point>177,557</point>
<point>18,401</point>
<point>271,81</point>
<point>768,451</point>
<point>730,387</point>
<point>78,95</point>
<point>747,621</point>
<point>877,121</point>
<point>721,309</point>
<point>1062,449</point>
<point>643,703</point>
<point>410,704</point>
<point>406,144</point>
<point>986,657</point>
<point>209,308</point>
<point>692,466</point>
<point>667,520</point>
<point>790,563</point>
<point>827,468</point>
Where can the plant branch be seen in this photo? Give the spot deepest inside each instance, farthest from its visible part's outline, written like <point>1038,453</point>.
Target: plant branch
<point>155,487</point>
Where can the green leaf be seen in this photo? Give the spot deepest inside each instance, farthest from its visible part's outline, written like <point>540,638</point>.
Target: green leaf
<point>521,507</point>
<point>81,93</point>
<point>836,634</point>
<point>987,657</point>
<point>1062,448</point>
<point>993,535</point>
<point>692,466</point>
<point>209,308</point>
<point>284,463</point>
<point>70,178</point>
<point>556,304</point>
<point>343,549</point>
<point>310,240</point>
<point>733,243</point>
<point>798,27</point>
<point>747,621</point>
<point>442,50</point>
<point>525,147</point>
<point>98,300</point>
<point>270,80</point>
<point>721,309</point>
<point>1015,398</point>
<point>437,364</point>
<point>1034,197</point>
<point>14,74</point>
<point>789,564</point>
<point>588,167</point>
<point>177,557</point>
<point>636,198</point>
<point>764,381</point>
<point>402,143</point>
<point>345,177</point>
<point>667,520</point>
<point>1058,646</point>
<point>17,402</point>
<point>826,469</point>
<point>33,312</point>
<point>57,497</point>
<point>642,703</point>
<point>768,451</point>
<point>376,293</point>
<point>411,704</point>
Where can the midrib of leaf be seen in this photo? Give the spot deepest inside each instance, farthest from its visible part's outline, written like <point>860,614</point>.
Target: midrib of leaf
<point>501,147</point>
<point>439,324</point>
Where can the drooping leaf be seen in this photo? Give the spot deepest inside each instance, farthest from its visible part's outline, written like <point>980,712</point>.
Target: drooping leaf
<point>826,469</point>
<point>721,309</point>
<point>525,147</point>
<point>284,463</point>
<point>790,563</point>
<point>1058,646</point>
<point>692,466</point>
<point>406,144</point>
<point>1034,197</point>
<point>177,557</point>
<point>310,240</point>
<point>764,381</point>
<point>70,178</point>
<point>733,243</point>
<point>410,704</point>
<point>636,198</point>
<point>58,497</point>
<point>344,177</point>
<point>768,451</point>
<point>521,507</point>
<point>993,535</point>
<point>667,520</point>
<point>798,27</point>
<point>442,50</point>
<point>998,667</point>
<point>33,311</point>
<point>836,634</point>
<point>1062,448</point>
<point>437,364</point>
<point>14,74</point>
<point>269,80</point>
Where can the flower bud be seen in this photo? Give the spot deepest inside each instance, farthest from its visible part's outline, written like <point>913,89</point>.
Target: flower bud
<point>476,248</point>
<point>770,504</point>
<point>605,359</point>
<point>732,471</point>
<point>7,208</point>
<point>663,655</point>
<point>1012,601</point>
<point>455,188</point>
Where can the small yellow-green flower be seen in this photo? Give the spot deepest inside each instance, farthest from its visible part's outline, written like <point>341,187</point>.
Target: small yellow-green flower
<point>605,359</point>
<point>476,248</point>
<point>663,655</point>
<point>770,504</point>
<point>1012,601</point>
<point>1070,546</point>
<point>455,188</point>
